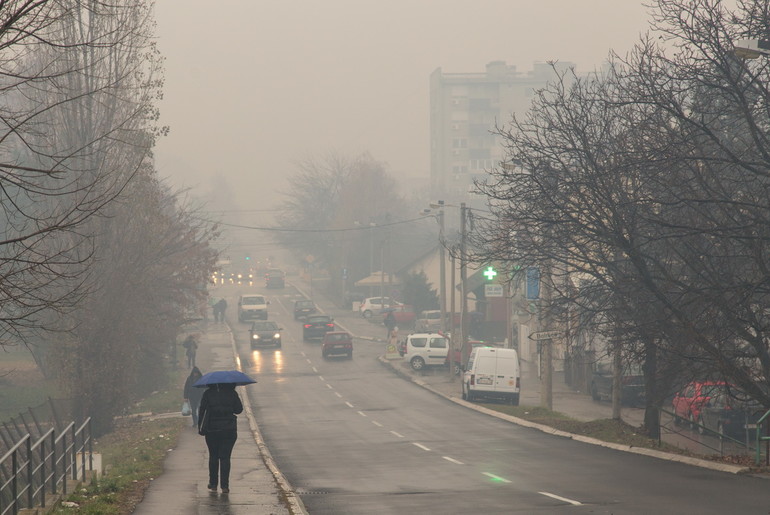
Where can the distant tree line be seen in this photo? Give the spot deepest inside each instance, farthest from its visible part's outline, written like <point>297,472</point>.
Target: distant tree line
<point>644,192</point>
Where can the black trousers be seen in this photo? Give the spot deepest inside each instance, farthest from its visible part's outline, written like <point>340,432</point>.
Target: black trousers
<point>220,448</point>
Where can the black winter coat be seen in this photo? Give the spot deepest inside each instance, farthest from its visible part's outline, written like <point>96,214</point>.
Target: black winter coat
<point>217,413</point>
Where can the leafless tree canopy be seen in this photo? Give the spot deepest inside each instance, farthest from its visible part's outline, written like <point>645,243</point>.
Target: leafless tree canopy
<point>645,188</point>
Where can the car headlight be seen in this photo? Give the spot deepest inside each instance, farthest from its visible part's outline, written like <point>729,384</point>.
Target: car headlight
<point>255,336</point>
<point>277,335</point>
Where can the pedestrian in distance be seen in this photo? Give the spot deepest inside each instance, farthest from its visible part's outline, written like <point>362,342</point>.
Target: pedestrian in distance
<point>220,308</point>
<point>193,395</point>
<point>217,421</point>
<point>390,323</point>
<point>191,349</point>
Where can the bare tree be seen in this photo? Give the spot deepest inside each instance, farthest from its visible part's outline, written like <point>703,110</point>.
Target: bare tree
<point>648,185</point>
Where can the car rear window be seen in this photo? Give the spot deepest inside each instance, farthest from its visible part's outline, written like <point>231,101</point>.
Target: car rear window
<point>318,319</point>
<point>438,343</point>
<point>253,300</point>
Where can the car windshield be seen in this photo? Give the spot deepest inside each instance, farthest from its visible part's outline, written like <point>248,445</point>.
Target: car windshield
<point>304,303</point>
<point>265,326</point>
<point>253,300</point>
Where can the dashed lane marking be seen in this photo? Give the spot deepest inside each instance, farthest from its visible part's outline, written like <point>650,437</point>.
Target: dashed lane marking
<point>376,423</point>
<point>560,498</point>
<point>338,394</point>
<point>456,462</point>
<point>349,405</point>
<point>397,434</point>
<point>362,413</point>
<point>321,378</point>
<point>421,446</point>
<point>315,370</point>
<point>330,387</point>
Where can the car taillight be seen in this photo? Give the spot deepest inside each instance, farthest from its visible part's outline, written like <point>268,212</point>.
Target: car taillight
<point>308,326</point>
<point>473,379</point>
<point>329,325</point>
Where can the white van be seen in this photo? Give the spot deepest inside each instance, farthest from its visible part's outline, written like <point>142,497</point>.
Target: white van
<point>251,306</point>
<point>426,349</point>
<point>493,373</point>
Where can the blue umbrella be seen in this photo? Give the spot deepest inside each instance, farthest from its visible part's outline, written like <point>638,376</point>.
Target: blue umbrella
<point>224,377</point>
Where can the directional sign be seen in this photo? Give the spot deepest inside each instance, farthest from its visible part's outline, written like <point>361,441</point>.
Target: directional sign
<point>533,283</point>
<point>493,290</point>
<point>545,335</point>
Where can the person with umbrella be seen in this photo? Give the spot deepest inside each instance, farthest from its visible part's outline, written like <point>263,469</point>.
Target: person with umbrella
<point>218,423</point>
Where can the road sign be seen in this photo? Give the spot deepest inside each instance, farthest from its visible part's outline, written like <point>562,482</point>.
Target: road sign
<point>493,290</point>
<point>545,335</point>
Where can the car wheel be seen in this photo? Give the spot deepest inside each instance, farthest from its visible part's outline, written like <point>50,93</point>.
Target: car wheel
<point>458,369</point>
<point>278,346</point>
<point>691,420</point>
<point>417,363</point>
<point>324,355</point>
<point>464,396</point>
<point>367,314</point>
<point>471,397</point>
<point>595,392</point>
<point>677,419</point>
<point>350,355</point>
<point>700,426</point>
<point>515,400</point>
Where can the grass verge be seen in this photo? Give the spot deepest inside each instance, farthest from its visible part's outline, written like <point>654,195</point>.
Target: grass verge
<point>132,455</point>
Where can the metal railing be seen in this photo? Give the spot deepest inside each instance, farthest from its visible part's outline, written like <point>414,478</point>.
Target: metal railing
<point>32,470</point>
<point>763,422</point>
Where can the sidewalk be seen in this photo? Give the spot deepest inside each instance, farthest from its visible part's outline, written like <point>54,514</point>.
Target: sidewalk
<point>256,485</point>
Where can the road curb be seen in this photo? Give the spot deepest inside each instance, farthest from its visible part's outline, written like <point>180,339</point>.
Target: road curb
<point>293,501</point>
<point>688,460</point>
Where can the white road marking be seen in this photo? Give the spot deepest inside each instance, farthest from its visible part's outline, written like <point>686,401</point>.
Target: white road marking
<point>338,394</point>
<point>321,378</point>
<point>362,413</point>
<point>376,423</point>
<point>303,354</point>
<point>398,435</point>
<point>453,460</point>
<point>421,446</point>
<point>496,478</point>
<point>315,370</point>
<point>308,360</point>
<point>349,405</point>
<point>330,387</point>
<point>560,498</point>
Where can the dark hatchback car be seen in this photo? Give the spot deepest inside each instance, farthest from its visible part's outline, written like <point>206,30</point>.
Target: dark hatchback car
<point>632,384</point>
<point>730,413</point>
<point>316,326</point>
<point>337,343</point>
<point>274,278</point>
<point>265,334</point>
<point>303,308</point>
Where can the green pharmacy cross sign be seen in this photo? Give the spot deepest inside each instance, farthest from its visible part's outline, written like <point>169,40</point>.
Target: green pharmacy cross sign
<point>490,273</point>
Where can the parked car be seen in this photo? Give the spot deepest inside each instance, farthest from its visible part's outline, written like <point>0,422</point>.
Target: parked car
<point>429,321</point>
<point>632,380</point>
<point>492,373</point>
<point>337,343</point>
<point>275,278</point>
<point>374,305</point>
<point>303,308</point>
<point>689,402</point>
<point>426,349</point>
<point>316,326</point>
<point>460,356</point>
<point>265,334</point>
<point>251,306</point>
<point>729,412</point>
<point>403,314</point>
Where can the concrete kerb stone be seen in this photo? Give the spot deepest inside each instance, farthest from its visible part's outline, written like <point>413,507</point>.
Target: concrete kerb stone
<point>295,503</point>
<point>697,462</point>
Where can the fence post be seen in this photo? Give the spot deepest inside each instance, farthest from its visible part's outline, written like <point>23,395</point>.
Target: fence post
<point>91,452</point>
<point>74,457</point>
<point>42,472</point>
<point>14,481</point>
<point>30,473</point>
<point>53,461</point>
<point>64,462</point>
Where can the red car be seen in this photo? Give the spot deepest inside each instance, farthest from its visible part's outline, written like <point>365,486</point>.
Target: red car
<point>336,343</point>
<point>689,402</point>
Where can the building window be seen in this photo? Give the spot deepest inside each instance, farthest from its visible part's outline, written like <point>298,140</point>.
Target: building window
<point>459,143</point>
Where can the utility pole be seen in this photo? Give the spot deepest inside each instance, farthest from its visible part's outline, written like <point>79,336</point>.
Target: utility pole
<point>463,279</point>
<point>442,270</point>
<point>546,384</point>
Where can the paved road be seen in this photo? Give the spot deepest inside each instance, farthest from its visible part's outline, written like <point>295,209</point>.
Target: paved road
<point>352,437</point>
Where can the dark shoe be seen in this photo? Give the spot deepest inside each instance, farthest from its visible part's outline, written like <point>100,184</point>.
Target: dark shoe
<point>225,490</point>
<point>212,488</point>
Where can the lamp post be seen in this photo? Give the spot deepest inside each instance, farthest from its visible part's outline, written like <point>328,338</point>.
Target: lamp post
<point>442,263</point>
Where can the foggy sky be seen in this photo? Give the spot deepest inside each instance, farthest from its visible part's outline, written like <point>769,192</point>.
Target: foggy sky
<point>253,85</point>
